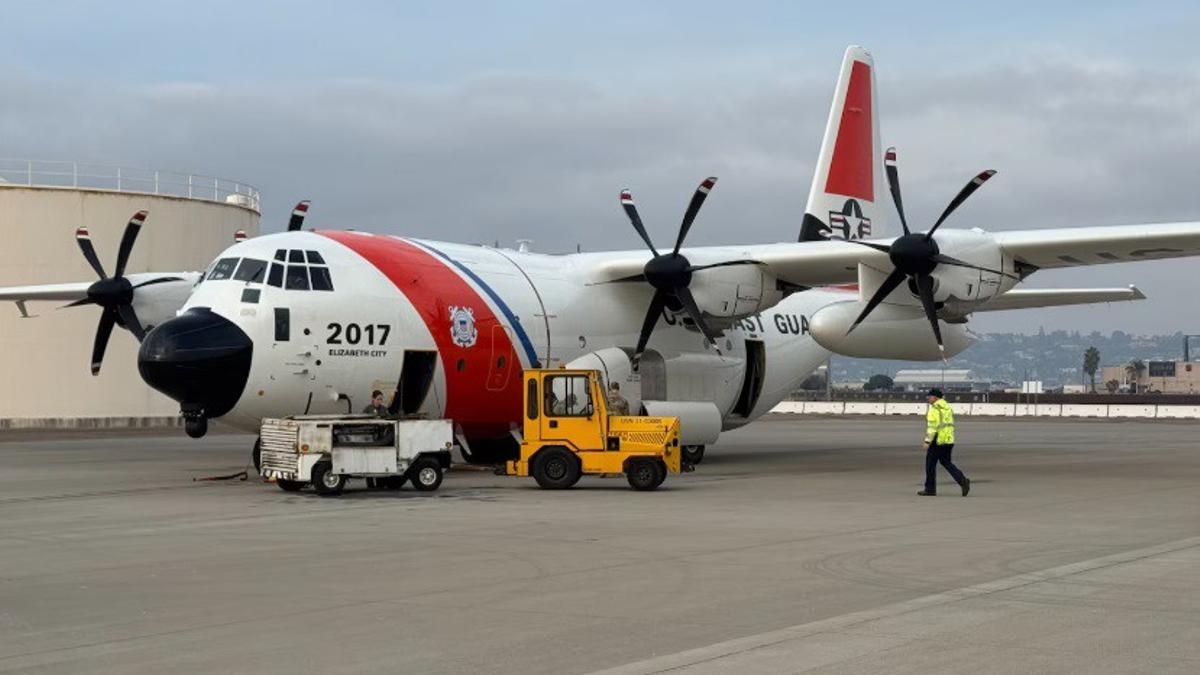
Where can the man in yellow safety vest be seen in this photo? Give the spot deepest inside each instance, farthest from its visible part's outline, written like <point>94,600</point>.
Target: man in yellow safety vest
<point>939,442</point>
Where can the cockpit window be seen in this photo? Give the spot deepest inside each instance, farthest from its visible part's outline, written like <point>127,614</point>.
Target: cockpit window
<point>280,254</point>
<point>315,258</point>
<point>297,278</point>
<point>275,278</point>
<point>296,256</point>
<point>251,270</point>
<point>223,269</point>
<point>320,279</point>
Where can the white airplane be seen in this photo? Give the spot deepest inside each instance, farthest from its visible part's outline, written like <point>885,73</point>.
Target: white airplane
<point>310,321</point>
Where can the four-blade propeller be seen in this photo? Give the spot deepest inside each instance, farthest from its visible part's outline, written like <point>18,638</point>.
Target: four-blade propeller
<point>915,255</point>
<point>671,273</point>
<point>113,294</point>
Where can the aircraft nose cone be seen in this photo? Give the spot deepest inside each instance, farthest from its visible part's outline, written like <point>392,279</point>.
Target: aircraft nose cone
<point>200,359</point>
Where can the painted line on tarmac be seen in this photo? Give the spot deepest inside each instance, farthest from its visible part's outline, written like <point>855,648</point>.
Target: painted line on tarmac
<point>741,651</point>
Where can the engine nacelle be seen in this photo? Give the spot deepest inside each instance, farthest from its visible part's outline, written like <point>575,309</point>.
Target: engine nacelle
<point>735,291</point>
<point>891,332</point>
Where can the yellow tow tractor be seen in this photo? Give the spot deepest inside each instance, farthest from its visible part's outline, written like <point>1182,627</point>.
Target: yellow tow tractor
<point>568,433</point>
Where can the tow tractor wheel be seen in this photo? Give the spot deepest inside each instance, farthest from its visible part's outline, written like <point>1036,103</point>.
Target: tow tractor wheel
<point>693,454</point>
<point>425,473</point>
<point>556,469</point>
<point>645,474</point>
<point>256,455</point>
<point>325,481</point>
<point>290,485</point>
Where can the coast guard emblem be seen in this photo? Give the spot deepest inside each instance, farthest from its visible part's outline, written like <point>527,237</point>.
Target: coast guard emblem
<point>462,326</point>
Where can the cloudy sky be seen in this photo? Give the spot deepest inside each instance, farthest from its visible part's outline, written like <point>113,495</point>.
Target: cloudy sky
<point>494,121</point>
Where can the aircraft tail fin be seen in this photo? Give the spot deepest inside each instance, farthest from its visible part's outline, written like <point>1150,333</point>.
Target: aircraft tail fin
<point>847,199</point>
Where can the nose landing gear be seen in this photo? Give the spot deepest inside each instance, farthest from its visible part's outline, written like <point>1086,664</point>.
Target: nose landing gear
<point>195,424</point>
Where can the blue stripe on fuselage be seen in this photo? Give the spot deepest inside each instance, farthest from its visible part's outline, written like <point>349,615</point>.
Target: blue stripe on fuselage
<point>504,309</point>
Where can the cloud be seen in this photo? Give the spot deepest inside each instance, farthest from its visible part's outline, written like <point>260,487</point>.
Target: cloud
<point>508,155</point>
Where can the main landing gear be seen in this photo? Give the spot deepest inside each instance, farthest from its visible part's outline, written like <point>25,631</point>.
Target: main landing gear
<point>693,454</point>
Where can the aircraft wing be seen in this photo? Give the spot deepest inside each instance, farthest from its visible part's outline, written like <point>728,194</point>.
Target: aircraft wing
<point>67,292</point>
<point>1077,246</point>
<point>1029,298</point>
<point>808,263</point>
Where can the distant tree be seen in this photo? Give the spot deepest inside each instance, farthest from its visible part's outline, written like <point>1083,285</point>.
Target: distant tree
<point>879,382</point>
<point>1134,370</point>
<point>1091,362</point>
<point>1112,386</point>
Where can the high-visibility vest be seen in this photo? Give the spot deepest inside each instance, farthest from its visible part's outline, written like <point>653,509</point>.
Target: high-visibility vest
<point>939,423</point>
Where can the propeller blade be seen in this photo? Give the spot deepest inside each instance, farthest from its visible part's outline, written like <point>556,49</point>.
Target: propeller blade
<point>298,214</point>
<point>689,305</point>
<point>656,307</point>
<point>103,331</point>
<point>130,319</point>
<point>943,259</point>
<point>632,212</point>
<point>870,244</point>
<point>727,263</point>
<point>84,239</point>
<point>889,284</point>
<point>893,178</point>
<point>127,239</point>
<point>925,290</point>
<point>961,197</point>
<point>693,208</point>
<point>79,302</point>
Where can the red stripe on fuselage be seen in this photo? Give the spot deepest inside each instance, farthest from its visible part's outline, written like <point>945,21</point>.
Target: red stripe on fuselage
<point>484,409</point>
<point>851,168</point>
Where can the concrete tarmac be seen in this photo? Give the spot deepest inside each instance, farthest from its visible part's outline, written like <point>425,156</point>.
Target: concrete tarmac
<point>798,546</point>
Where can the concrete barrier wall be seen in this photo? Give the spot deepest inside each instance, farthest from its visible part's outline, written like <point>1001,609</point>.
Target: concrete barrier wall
<point>1085,411</point>
<point>1179,411</point>
<point>1116,411</point>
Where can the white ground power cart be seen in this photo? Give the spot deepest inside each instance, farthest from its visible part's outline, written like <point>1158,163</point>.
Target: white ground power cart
<point>327,450</point>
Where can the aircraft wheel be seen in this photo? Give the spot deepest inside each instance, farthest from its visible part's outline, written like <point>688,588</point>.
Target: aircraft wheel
<point>643,474</point>
<point>195,426</point>
<point>426,474</point>
<point>693,454</point>
<point>556,469</point>
<point>325,481</point>
<point>290,485</point>
<point>256,455</point>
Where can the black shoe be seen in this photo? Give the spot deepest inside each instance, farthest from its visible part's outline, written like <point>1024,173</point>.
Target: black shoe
<point>966,486</point>
<point>926,493</point>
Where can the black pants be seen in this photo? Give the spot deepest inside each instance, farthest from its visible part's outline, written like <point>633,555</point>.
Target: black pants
<point>940,453</point>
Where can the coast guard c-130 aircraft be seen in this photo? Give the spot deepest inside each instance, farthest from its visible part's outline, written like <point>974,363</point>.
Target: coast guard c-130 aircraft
<point>307,321</point>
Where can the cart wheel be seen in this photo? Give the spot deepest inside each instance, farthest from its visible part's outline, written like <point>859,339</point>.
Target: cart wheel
<point>643,474</point>
<point>693,454</point>
<point>393,482</point>
<point>555,469</point>
<point>426,474</point>
<point>325,481</point>
<point>290,485</point>
<point>661,467</point>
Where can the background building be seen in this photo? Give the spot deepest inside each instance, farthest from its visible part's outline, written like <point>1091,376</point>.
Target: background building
<point>1166,377</point>
<point>45,359</point>
<point>947,380</point>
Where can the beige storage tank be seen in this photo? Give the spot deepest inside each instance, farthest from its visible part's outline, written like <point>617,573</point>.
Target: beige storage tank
<point>45,359</point>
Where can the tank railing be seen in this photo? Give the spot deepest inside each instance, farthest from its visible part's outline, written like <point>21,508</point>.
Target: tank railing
<point>51,173</point>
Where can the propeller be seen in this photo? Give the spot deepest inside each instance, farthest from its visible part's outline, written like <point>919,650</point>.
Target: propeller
<point>915,255</point>
<point>671,273</point>
<point>298,214</point>
<point>113,294</point>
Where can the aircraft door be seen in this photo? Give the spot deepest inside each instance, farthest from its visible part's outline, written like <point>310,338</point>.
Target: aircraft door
<point>501,364</point>
<point>568,411</point>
